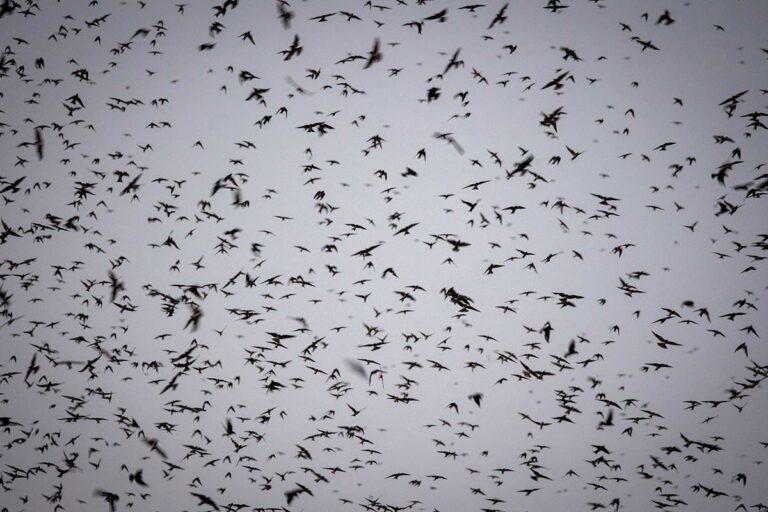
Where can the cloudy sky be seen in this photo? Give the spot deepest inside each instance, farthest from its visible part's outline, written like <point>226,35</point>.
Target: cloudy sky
<point>337,255</point>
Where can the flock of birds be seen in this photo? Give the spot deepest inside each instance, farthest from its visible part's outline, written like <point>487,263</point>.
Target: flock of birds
<point>404,255</point>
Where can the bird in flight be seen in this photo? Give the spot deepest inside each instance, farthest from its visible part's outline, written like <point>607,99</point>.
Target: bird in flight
<point>383,256</point>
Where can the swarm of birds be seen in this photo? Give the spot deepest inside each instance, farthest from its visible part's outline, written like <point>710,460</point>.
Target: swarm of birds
<point>411,255</point>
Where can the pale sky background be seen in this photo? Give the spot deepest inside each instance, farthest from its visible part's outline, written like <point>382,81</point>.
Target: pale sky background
<point>618,107</point>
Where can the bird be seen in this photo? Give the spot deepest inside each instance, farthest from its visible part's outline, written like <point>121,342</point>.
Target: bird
<point>282,255</point>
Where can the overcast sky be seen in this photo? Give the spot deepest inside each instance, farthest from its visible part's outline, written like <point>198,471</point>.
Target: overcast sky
<point>336,255</point>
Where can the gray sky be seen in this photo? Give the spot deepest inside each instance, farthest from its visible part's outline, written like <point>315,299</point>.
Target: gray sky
<point>165,175</point>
